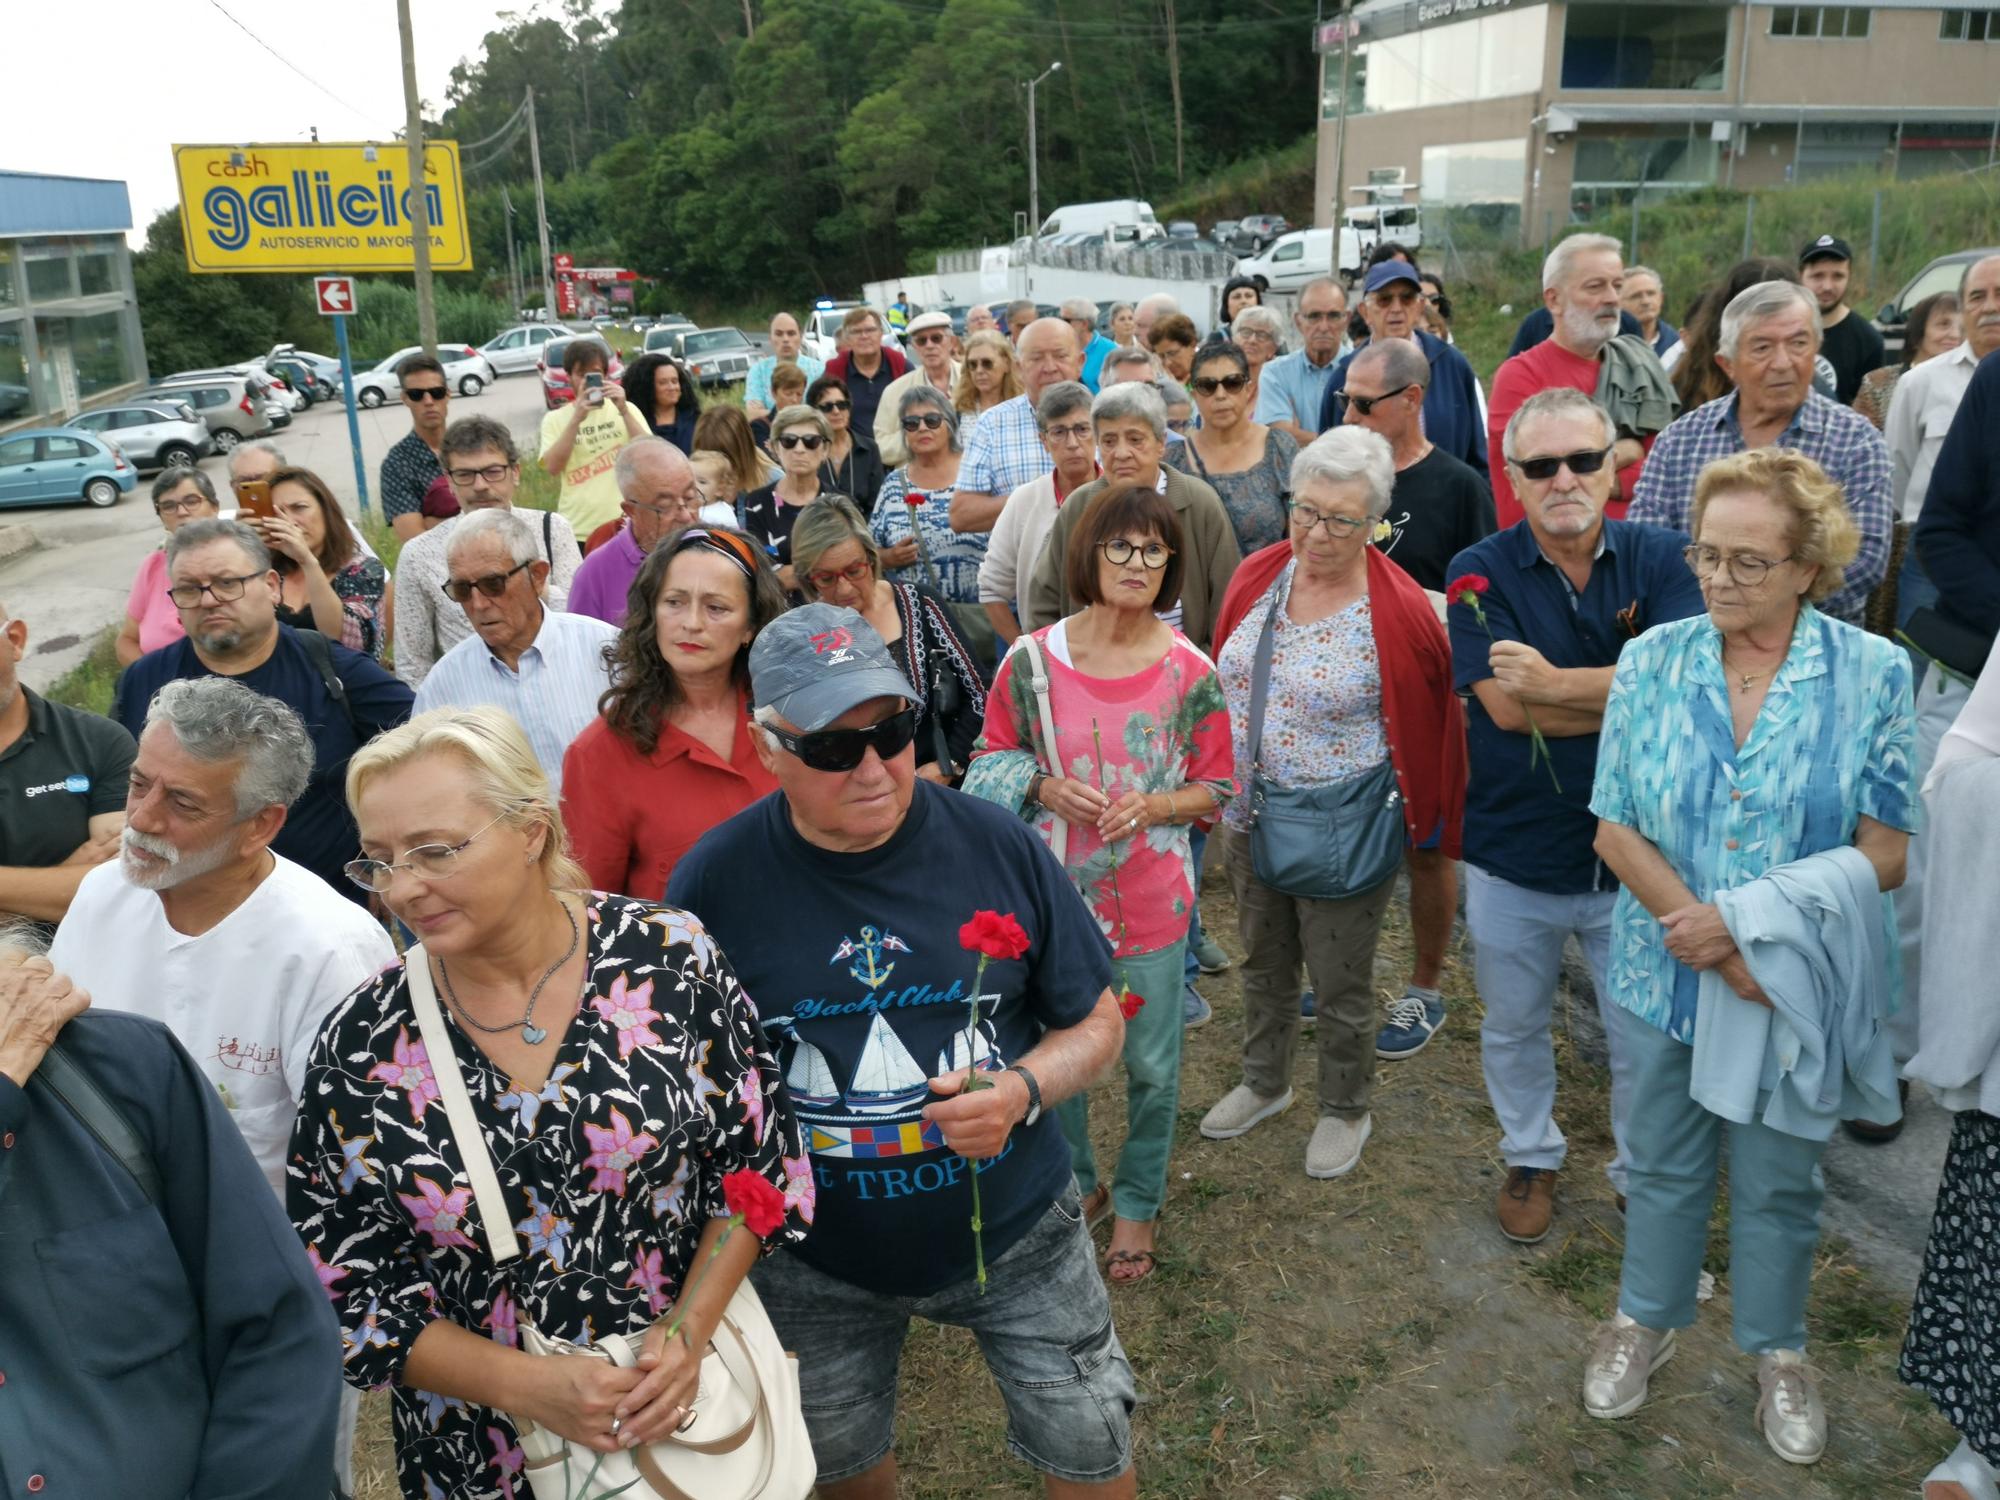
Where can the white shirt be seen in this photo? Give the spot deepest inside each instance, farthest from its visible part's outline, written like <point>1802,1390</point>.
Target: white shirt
<point>552,693</point>
<point>1015,546</point>
<point>246,998</point>
<point>1920,414</point>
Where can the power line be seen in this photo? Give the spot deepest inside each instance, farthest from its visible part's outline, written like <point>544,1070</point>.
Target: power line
<point>358,114</point>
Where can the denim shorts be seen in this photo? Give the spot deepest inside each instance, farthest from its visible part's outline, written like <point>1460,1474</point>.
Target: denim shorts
<point>1044,1326</point>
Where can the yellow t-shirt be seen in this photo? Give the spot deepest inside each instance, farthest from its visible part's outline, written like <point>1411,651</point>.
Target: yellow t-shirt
<point>589,495</point>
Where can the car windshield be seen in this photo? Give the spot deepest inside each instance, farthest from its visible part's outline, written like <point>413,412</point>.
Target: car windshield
<point>715,339</point>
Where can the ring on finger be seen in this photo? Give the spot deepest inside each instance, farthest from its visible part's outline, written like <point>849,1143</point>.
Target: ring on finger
<point>686,1423</point>
<point>616,1424</point>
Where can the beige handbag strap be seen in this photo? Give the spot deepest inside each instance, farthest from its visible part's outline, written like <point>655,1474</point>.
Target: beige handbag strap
<point>760,1423</point>
<point>1038,683</point>
<point>501,1241</point>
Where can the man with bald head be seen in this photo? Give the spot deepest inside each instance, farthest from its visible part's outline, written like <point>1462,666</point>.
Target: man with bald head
<point>785,349</point>
<point>1006,450</point>
<point>658,495</point>
<point>1149,311</point>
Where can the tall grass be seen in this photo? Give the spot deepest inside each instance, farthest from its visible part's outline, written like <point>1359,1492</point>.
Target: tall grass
<point>385,317</point>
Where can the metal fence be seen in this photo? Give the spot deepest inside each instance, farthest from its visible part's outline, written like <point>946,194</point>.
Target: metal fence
<point>1155,260</point>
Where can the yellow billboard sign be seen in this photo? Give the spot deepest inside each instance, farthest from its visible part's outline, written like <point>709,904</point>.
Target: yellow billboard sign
<point>317,207</point>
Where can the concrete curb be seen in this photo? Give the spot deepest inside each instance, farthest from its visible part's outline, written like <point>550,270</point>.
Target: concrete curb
<point>14,540</point>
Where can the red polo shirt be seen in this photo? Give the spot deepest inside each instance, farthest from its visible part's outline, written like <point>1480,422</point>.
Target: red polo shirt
<point>1542,368</point>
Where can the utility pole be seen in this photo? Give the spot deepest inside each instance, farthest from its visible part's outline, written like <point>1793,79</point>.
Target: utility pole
<point>1340,126</point>
<point>1034,163</point>
<point>420,211</point>
<point>541,213</point>
<point>1174,76</point>
<point>515,294</point>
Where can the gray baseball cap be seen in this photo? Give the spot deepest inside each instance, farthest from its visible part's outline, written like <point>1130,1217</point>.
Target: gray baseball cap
<point>814,663</point>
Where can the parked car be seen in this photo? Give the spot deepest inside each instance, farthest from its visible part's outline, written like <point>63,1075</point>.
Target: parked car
<point>231,405</point>
<point>466,370</point>
<point>153,435</point>
<point>46,466</point>
<point>1298,257</point>
<point>715,356</point>
<point>1189,245</point>
<point>517,351</point>
<point>555,384</point>
<point>1255,231</point>
<point>666,335</point>
<point>1183,229</point>
<point>324,367</point>
<point>1942,275</point>
<point>1223,232</point>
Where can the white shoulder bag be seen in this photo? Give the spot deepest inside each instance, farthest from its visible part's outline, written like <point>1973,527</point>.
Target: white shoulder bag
<point>746,1438</point>
<point>1038,683</point>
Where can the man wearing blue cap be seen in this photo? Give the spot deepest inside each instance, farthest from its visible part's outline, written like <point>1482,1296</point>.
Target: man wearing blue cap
<point>1453,419</point>
<point>839,900</point>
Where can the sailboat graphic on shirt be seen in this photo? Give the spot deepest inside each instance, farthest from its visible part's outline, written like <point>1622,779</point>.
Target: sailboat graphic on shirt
<point>887,1080</point>
<point>810,1079</point>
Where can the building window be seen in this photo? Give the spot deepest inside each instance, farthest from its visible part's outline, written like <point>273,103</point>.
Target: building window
<point>1486,57</point>
<point>1609,46</point>
<point>17,396</point>
<point>97,344</point>
<point>1827,22</point>
<point>8,296</point>
<point>96,273</point>
<point>1968,26</point>
<point>49,278</point>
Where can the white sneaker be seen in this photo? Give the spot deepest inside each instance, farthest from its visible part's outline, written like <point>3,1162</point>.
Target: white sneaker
<point>1240,1111</point>
<point>1621,1363</point>
<point>1789,1411</point>
<point>1335,1149</point>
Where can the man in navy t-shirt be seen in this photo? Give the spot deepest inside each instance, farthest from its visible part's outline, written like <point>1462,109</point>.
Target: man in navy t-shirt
<point>223,584</point>
<point>1566,589</point>
<point>838,900</point>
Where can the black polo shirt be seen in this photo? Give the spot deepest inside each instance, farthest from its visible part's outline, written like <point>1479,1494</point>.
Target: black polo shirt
<point>66,767</point>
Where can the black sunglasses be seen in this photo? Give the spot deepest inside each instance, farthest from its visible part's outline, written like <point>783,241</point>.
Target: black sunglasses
<point>1367,404</point>
<point>1208,385</point>
<point>492,585</point>
<point>1579,463</point>
<point>810,442</point>
<point>930,419</point>
<point>425,393</point>
<point>836,406</point>
<point>842,749</point>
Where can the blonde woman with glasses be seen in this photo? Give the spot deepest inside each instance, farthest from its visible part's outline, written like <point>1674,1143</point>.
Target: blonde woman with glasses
<point>988,375</point>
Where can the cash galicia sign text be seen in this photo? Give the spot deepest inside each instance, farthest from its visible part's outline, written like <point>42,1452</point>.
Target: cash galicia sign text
<point>319,207</point>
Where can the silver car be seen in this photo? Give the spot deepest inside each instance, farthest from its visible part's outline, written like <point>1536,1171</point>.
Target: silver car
<point>152,435</point>
<point>465,369</point>
<point>231,405</point>
<point>715,356</point>
<point>516,351</point>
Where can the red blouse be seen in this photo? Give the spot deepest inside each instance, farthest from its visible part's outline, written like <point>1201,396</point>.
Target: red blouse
<point>631,817</point>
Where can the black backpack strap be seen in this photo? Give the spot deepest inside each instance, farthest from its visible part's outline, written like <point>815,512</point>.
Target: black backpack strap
<point>62,1076</point>
<point>548,538</point>
<point>320,650</point>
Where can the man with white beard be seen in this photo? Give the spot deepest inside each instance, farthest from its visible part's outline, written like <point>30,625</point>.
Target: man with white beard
<point>1582,281</point>
<point>198,925</point>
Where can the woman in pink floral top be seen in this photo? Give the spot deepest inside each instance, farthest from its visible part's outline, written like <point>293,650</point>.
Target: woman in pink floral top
<point>1142,752</point>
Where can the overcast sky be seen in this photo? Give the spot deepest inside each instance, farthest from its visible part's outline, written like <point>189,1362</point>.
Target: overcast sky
<point>107,88</point>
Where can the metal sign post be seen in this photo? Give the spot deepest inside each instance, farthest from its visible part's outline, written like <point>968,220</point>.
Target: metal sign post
<point>336,301</point>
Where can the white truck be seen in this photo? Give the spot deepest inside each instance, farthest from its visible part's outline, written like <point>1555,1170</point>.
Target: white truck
<point>1118,220</point>
<point>1302,255</point>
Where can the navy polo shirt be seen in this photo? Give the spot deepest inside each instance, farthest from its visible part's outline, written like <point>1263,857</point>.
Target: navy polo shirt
<point>1517,826</point>
<point>66,768</point>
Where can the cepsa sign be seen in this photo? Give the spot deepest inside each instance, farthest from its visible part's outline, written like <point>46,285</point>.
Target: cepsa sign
<point>320,207</point>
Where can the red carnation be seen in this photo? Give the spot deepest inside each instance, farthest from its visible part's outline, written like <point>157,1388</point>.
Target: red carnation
<point>753,1198</point>
<point>994,935</point>
<point>1474,584</point>
<point>1129,1003</point>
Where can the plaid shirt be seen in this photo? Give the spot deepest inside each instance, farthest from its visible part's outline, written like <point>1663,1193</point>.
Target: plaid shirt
<point>1005,452</point>
<point>1840,441</point>
<point>408,469</point>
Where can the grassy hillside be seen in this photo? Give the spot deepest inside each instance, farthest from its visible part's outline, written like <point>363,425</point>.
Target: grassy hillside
<point>1273,182</point>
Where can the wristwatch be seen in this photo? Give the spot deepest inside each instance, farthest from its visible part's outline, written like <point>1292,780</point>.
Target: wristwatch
<point>1035,788</point>
<point>1034,1094</point>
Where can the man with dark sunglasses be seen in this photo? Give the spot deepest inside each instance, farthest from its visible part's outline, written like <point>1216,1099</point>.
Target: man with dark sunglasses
<point>414,465</point>
<point>1565,590</point>
<point>839,902</point>
<point>937,367</point>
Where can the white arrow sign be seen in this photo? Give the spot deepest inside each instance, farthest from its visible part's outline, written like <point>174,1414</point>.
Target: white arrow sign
<point>336,294</point>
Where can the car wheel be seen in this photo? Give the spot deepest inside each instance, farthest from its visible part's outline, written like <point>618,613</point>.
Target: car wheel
<point>371,398</point>
<point>471,385</point>
<point>176,456</point>
<point>1263,286</point>
<point>102,493</point>
<point>226,439</point>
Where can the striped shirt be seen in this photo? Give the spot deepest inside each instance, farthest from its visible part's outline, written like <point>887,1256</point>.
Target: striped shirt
<point>552,693</point>
<point>1005,451</point>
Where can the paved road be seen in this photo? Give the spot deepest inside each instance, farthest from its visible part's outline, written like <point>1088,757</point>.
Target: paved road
<point>77,581</point>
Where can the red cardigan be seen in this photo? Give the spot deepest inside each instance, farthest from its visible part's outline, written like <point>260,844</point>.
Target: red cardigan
<point>899,364</point>
<point>1421,714</point>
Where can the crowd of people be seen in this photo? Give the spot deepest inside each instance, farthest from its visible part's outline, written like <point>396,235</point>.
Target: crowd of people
<point>403,888</point>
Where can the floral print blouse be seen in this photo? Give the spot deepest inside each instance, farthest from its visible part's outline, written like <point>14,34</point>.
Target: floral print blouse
<point>1323,705</point>
<point>612,1169</point>
<point>359,586</point>
<point>954,556</point>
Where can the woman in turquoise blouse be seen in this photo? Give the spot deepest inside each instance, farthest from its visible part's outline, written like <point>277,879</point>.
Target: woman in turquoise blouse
<point>1736,742</point>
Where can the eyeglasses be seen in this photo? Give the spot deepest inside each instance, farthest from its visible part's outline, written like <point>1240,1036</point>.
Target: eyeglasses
<point>677,507</point>
<point>833,406</point>
<point>180,507</point>
<point>428,861</point>
<point>930,419</point>
<point>823,579</point>
<point>1178,424</point>
<point>492,585</point>
<point>492,474</point>
<point>1367,404</point>
<point>426,393</point>
<point>933,337</point>
<point>1579,463</point>
<point>1208,385</point>
<point>188,595</point>
<point>982,364</point>
<point>843,749</point>
<point>1304,517</point>
<point>1322,317</point>
<point>1068,435</point>
<point>811,441</point>
<point>1118,552</point>
<point>1254,333</point>
<point>1744,571</point>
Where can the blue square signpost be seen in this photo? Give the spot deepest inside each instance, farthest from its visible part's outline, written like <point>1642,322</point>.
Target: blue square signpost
<point>336,301</point>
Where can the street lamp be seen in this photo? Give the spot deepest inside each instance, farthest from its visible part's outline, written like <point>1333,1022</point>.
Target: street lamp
<point>1034,173</point>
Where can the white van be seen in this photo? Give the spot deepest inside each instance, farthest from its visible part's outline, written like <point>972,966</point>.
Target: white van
<point>1298,257</point>
<point>1103,218</point>
<point>1375,222</point>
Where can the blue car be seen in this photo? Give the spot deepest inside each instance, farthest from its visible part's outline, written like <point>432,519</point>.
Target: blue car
<point>47,466</point>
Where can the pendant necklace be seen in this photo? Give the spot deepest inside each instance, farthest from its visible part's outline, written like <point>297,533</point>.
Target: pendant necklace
<point>532,1034</point>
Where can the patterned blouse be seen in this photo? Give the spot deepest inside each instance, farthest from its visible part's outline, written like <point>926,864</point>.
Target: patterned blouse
<point>954,556</point>
<point>1254,497</point>
<point>1323,705</point>
<point>614,1167</point>
<point>1155,731</point>
<point>359,586</point>
<point>1832,743</point>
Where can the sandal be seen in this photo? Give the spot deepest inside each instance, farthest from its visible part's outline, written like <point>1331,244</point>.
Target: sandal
<point>1145,1260</point>
<point>1096,1206</point>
